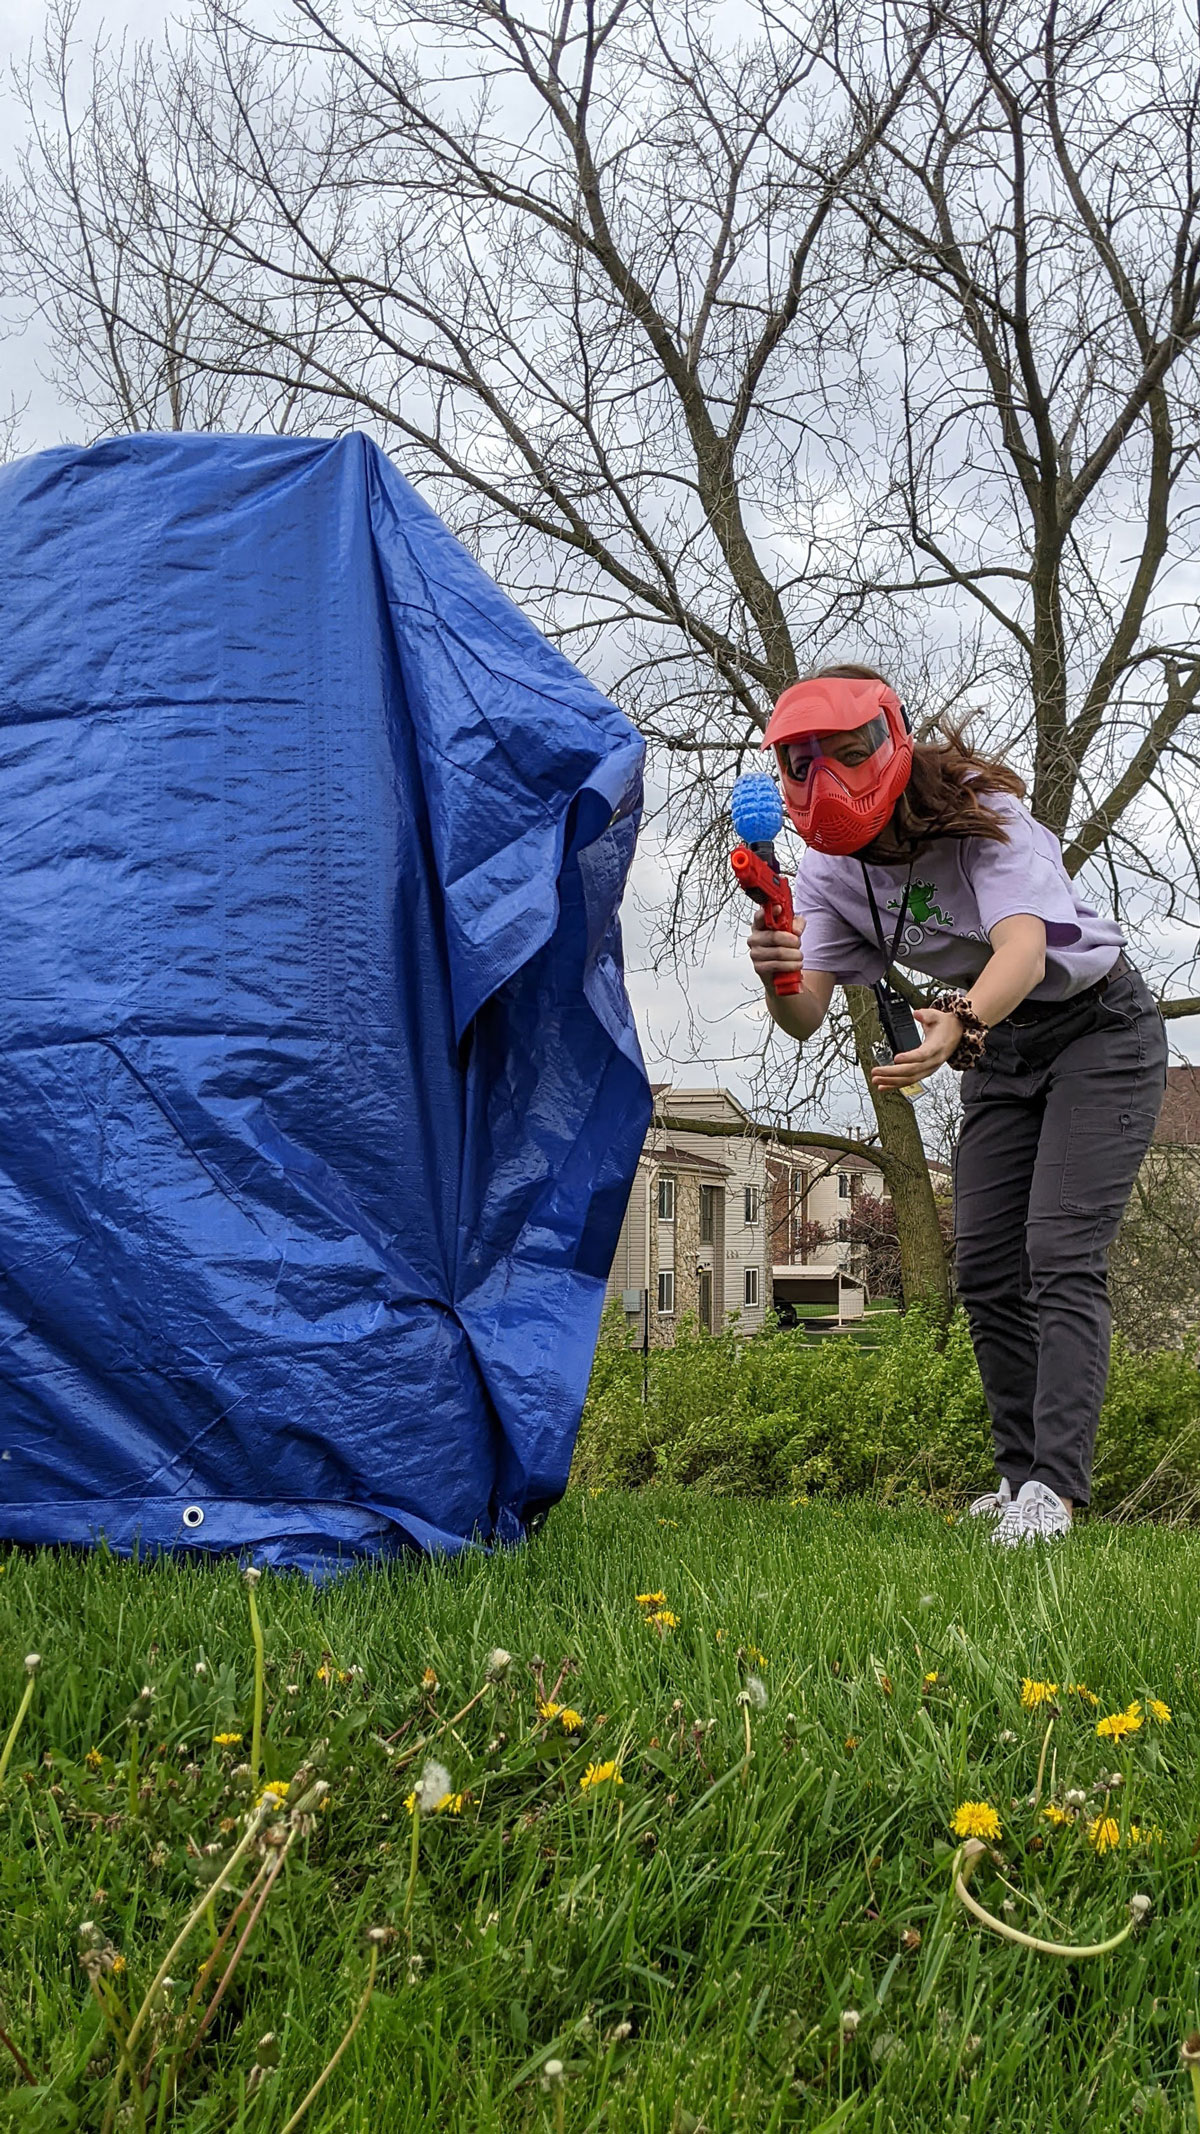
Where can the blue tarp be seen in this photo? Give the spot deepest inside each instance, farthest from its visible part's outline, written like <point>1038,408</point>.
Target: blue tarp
<point>321,1093</point>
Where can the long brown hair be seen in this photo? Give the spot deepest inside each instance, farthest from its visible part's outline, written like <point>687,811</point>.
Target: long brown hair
<point>943,794</point>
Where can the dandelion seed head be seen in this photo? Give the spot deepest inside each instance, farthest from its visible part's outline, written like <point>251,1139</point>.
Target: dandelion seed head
<point>33,1661</point>
<point>433,1786</point>
<point>756,1692</point>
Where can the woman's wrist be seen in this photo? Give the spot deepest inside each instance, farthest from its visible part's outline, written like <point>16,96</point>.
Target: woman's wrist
<point>974,1030</point>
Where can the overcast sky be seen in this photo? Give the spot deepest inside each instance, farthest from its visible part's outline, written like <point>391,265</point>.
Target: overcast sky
<point>706,1026</point>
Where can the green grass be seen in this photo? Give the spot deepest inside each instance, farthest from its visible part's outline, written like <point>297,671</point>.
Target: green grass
<point>727,1914</point>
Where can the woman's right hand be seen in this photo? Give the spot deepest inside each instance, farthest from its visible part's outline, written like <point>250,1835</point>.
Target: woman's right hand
<point>773,954</point>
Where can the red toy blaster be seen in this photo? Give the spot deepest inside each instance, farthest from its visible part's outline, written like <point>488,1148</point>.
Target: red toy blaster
<point>758,874</point>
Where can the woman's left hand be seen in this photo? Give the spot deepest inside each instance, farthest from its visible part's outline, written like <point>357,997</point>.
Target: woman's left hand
<point>943,1034</point>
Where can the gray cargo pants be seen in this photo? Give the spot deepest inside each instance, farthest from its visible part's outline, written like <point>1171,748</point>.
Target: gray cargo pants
<point>1046,1161</point>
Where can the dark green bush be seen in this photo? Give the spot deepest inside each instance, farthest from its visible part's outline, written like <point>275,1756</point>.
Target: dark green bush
<point>775,1413</point>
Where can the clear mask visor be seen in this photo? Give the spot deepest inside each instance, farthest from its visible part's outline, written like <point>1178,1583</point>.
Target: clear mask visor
<point>851,751</point>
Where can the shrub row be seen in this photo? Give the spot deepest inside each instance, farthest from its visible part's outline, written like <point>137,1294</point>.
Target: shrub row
<point>774,1413</point>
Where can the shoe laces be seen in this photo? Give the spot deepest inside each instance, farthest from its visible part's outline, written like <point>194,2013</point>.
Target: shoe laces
<point>1042,1517</point>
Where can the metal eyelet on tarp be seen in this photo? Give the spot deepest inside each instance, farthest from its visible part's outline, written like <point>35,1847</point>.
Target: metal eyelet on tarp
<point>193,1515</point>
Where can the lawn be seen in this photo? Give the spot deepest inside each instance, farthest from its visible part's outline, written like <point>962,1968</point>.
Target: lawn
<point>686,1943</point>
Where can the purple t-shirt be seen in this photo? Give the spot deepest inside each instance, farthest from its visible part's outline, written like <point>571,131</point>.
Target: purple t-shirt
<point>960,889</point>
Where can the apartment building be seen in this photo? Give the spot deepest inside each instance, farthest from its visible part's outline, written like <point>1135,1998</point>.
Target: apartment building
<point>722,1213</point>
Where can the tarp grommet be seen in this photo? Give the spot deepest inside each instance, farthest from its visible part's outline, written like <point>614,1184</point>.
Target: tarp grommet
<point>193,1515</point>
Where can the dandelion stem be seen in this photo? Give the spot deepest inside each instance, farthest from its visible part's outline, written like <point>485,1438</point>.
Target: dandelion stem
<point>414,1854</point>
<point>227,1975</point>
<point>330,2064</point>
<point>1041,1769</point>
<point>15,1728</point>
<point>211,1962</point>
<point>193,1918</point>
<point>133,1768</point>
<point>427,1740</point>
<point>27,2074</point>
<point>746,1764</point>
<point>259,1671</point>
<point>964,1863</point>
<point>1194,2072</point>
<point>126,2066</point>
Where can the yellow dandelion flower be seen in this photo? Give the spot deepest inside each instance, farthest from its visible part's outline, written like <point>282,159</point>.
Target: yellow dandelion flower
<point>1144,1834</point>
<point>600,1775</point>
<point>227,1741</point>
<point>1034,1694</point>
<point>1103,1832</point>
<point>1158,1710</point>
<point>663,1619</point>
<point>570,1720</point>
<point>851,1741</point>
<point>410,1803</point>
<point>668,1522</point>
<point>277,1786</point>
<point>928,1681</point>
<point>975,1819</point>
<point>94,1760</point>
<point>650,1600</point>
<point>118,1964</point>
<point>323,1674</point>
<point>1055,1815</point>
<point>755,1657</point>
<point>721,1636</point>
<point>1081,1690</point>
<point>1119,1724</point>
<point>451,1804</point>
<point>429,1680</point>
<point>548,1711</point>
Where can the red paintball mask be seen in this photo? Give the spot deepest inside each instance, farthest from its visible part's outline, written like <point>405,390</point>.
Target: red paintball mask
<point>844,750</point>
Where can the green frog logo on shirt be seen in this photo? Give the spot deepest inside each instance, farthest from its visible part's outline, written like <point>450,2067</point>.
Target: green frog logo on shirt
<point>921,905</point>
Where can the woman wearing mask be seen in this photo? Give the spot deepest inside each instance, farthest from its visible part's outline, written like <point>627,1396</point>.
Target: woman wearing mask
<point>925,853</point>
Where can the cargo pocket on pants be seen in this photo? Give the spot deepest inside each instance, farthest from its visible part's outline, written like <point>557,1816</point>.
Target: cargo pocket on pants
<point>1103,1159</point>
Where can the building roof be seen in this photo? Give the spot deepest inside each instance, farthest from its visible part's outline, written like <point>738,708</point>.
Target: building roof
<point>1179,1119</point>
<point>656,1151</point>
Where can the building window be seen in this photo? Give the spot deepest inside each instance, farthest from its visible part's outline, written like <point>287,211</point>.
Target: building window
<point>666,1291</point>
<point>666,1198</point>
<point>750,1203</point>
<point>708,1203</point>
<point>751,1286</point>
<point>843,1185</point>
<point>843,1230</point>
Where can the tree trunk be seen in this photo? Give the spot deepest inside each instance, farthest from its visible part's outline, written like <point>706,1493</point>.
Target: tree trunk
<point>924,1274</point>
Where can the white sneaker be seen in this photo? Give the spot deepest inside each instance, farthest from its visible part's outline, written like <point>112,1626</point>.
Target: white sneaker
<point>994,1504</point>
<point>1037,1513</point>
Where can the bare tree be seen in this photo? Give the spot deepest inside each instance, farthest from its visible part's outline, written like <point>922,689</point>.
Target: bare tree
<point>1032,220</point>
<point>577,266</point>
<point>591,272</point>
<point>115,238</point>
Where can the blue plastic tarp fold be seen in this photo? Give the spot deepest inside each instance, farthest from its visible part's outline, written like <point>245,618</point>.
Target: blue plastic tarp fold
<point>321,1093</point>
